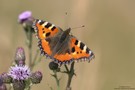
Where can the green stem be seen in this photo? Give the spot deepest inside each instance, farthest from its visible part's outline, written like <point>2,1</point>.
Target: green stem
<point>10,87</point>
<point>35,63</point>
<point>67,70</point>
<point>57,80</point>
<point>70,75</point>
<point>30,46</point>
<point>34,60</point>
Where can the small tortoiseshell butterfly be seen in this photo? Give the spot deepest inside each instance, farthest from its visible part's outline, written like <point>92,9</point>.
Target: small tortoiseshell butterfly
<point>59,45</point>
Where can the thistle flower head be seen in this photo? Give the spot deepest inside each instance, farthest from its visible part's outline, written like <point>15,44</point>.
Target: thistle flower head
<point>19,72</point>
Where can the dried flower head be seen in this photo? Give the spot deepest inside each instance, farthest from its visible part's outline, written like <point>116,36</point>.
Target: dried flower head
<point>19,72</point>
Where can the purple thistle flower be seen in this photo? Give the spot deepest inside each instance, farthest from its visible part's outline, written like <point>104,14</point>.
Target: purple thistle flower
<point>19,72</point>
<point>26,19</point>
<point>24,16</point>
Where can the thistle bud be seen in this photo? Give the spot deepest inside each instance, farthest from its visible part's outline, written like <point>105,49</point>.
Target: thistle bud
<point>1,81</point>
<point>6,78</point>
<point>20,56</point>
<point>36,77</point>
<point>3,87</point>
<point>18,85</point>
<point>53,65</point>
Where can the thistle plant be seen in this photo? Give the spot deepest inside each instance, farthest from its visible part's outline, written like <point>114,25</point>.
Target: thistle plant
<point>26,20</point>
<point>19,76</point>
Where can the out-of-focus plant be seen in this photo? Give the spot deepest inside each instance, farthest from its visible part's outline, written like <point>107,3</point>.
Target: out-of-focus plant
<point>26,20</point>
<point>19,75</point>
<point>57,69</point>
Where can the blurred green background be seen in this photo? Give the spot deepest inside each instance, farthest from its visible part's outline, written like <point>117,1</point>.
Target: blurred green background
<point>109,31</point>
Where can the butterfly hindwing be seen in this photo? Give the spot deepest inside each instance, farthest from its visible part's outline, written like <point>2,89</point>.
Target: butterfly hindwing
<point>80,51</point>
<point>74,50</point>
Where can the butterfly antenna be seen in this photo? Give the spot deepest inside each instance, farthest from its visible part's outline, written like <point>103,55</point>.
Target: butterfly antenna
<point>66,22</point>
<point>66,19</point>
<point>78,27</point>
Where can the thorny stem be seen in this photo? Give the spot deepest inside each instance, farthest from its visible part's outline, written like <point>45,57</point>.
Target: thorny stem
<point>70,75</point>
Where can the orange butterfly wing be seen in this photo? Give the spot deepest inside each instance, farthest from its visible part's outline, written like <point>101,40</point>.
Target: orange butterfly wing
<point>45,30</point>
<point>77,51</point>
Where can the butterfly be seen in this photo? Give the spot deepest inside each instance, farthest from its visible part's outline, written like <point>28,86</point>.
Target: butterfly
<point>59,45</point>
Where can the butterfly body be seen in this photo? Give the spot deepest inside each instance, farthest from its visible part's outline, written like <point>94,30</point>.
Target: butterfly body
<point>59,45</point>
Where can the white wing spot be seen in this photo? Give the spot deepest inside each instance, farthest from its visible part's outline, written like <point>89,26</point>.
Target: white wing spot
<point>84,48</point>
<point>74,53</point>
<point>90,52</point>
<point>51,26</point>
<point>39,21</point>
<point>78,43</point>
<point>44,24</point>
